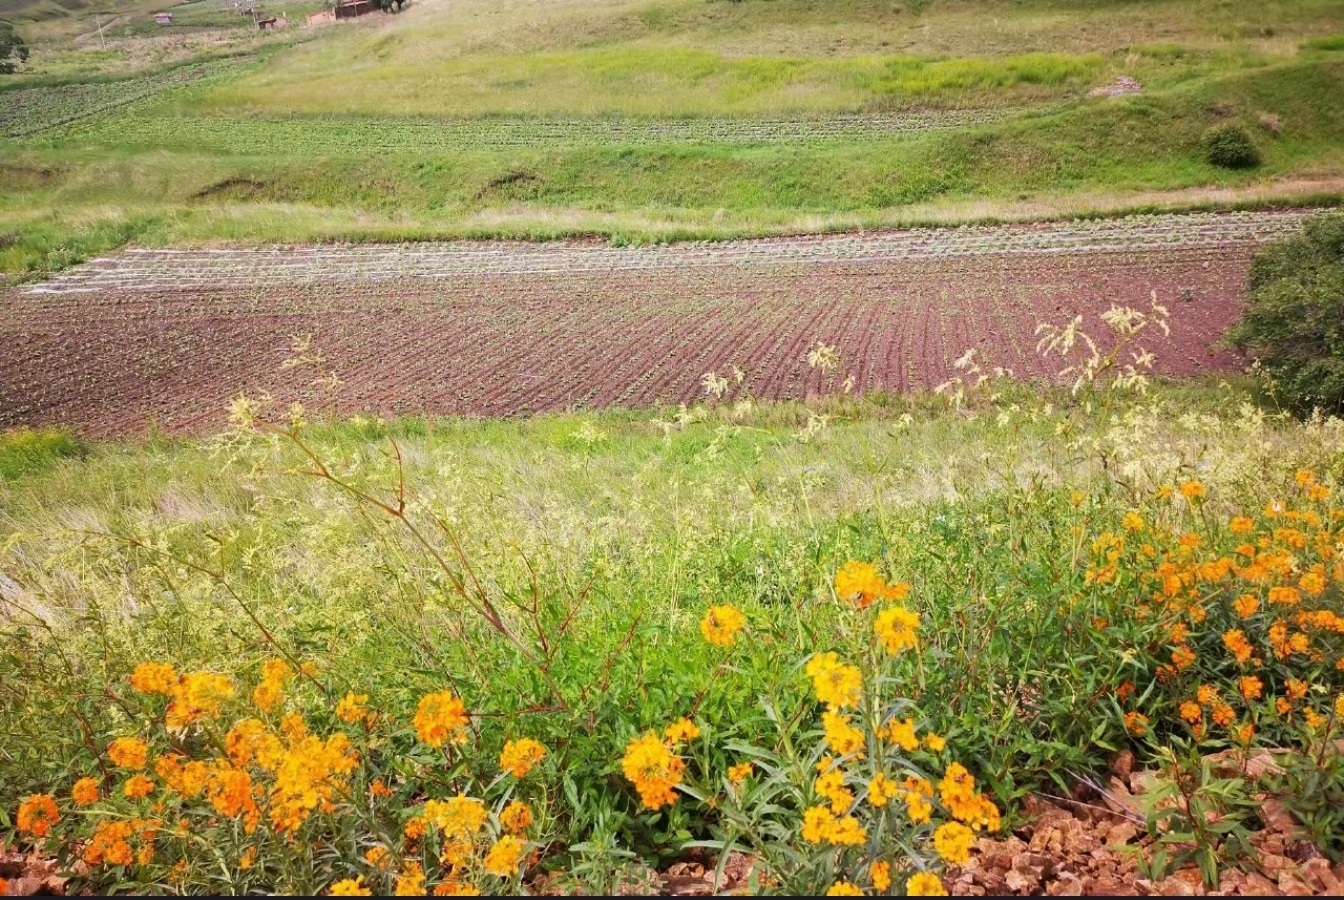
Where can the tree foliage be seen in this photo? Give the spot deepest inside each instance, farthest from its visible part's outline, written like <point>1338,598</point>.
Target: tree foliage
<point>13,51</point>
<point>1295,321</point>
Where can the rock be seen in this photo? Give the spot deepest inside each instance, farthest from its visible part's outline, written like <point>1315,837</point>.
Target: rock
<point>1292,886</point>
<point>1019,883</point>
<point>1258,885</point>
<point>1118,798</point>
<point>1318,875</point>
<point>1067,886</point>
<point>1122,766</point>
<point>1121,834</point>
<point>1277,816</point>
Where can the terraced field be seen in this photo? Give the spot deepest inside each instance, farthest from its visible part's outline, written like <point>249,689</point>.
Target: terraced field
<point>166,337</point>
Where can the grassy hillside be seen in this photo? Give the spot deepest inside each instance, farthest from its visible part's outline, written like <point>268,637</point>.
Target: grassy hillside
<point>646,119</point>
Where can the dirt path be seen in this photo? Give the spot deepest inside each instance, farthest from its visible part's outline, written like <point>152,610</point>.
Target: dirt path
<point>167,337</point>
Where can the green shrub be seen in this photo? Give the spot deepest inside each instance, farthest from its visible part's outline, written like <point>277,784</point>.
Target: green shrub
<point>29,450</point>
<point>1295,322</point>
<point>1230,147</point>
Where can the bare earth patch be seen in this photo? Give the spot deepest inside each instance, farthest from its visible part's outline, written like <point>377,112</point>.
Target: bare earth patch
<point>166,337</point>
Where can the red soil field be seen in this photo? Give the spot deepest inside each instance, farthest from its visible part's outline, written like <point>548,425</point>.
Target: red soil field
<point>117,358</point>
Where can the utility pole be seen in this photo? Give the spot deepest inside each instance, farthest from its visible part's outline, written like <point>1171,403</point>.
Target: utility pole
<point>99,23</point>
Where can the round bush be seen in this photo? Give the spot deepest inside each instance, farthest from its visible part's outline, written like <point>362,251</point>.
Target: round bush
<point>1230,147</point>
<point>1294,323</point>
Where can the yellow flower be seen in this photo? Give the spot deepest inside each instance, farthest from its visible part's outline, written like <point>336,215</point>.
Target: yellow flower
<point>379,857</point>
<point>902,734</point>
<point>84,791</point>
<point>195,697</point>
<point>953,843</point>
<point>817,823</point>
<point>1132,521</point>
<point>1241,525</point>
<point>880,873</point>
<point>275,673</point>
<point>313,774</point>
<point>844,889</point>
<point>411,882</point>
<point>440,719</point>
<point>653,769</point>
<point>456,889</point>
<point>836,684</point>
<point>138,786</point>
<point>516,816</point>
<point>154,678</point>
<point>520,756</point>
<point>832,787</point>
<point>37,813</point>
<point>934,742</point>
<point>739,773</point>
<point>858,583</point>
<point>128,753</point>
<point>881,789</point>
<point>925,884</point>
<point>847,832</point>
<point>918,809</point>
<point>351,707</point>
<point>350,887</point>
<point>457,817</point>
<point>842,737</point>
<point>721,625</point>
<point>681,731</point>
<point>502,860</point>
<point>896,626</point>
<point>1191,490</point>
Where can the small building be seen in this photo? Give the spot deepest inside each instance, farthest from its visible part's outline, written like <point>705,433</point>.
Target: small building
<point>163,18</point>
<point>271,23</point>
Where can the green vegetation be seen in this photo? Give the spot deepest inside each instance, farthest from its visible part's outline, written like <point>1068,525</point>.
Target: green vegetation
<point>656,120</point>
<point>26,450</point>
<point>1230,147</point>
<point>1294,324</point>
<point>553,573</point>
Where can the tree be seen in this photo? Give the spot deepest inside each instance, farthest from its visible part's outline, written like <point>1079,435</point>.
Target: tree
<point>11,47</point>
<point>1294,323</point>
<point>386,5</point>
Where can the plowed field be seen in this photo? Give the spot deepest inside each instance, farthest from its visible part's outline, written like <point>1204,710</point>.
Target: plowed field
<point>167,337</point>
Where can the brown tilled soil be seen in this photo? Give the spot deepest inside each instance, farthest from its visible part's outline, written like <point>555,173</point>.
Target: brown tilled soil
<point>165,339</point>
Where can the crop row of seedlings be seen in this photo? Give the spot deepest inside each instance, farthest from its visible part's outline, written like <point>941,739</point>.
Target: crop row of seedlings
<point>157,269</point>
<point>31,111</point>
<point>111,361</point>
<point>362,137</point>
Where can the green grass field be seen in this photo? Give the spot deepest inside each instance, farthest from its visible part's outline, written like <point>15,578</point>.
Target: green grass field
<point>334,133</point>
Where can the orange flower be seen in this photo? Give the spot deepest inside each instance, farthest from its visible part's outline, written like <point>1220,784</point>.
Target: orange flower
<point>681,731</point>
<point>138,786</point>
<point>721,625</point>
<point>440,719</point>
<point>1252,687</point>
<point>502,859</point>
<point>128,753</point>
<point>154,678</point>
<point>516,816</point>
<point>85,791</point>
<point>351,707</point>
<point>1136,722</point>
<point>654,771</point>
<point>1246,605</point>
<point>520,756</point>
<point>37,813</point>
